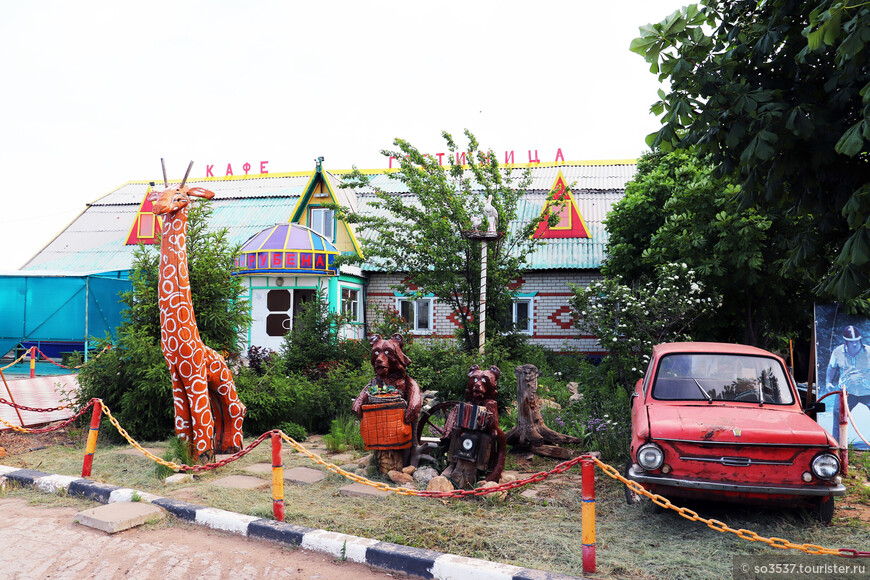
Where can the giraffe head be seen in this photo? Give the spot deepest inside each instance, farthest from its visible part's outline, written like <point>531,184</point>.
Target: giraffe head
<point>174,198</point>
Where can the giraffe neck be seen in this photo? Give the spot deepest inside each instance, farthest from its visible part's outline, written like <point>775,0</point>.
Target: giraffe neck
<point>174,296</point>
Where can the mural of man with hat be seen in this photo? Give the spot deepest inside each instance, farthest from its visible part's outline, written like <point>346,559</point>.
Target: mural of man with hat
<point>850,367</point>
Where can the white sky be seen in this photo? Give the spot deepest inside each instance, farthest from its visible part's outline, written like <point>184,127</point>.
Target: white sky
<point>95,93</point>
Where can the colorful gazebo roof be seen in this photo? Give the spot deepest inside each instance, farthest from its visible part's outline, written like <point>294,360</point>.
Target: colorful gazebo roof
<point>287,249</point>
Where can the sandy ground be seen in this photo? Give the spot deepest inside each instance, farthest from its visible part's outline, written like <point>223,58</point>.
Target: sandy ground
<point>43,542</point>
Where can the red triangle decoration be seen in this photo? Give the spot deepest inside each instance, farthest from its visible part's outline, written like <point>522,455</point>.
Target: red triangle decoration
<point>146,226</point>
<point>571,223</point>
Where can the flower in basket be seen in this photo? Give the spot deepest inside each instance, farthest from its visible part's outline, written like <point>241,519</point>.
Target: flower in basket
<point>377,390</point>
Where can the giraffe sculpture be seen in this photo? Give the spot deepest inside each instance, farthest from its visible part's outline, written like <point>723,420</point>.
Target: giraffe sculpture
<point>208,412</point>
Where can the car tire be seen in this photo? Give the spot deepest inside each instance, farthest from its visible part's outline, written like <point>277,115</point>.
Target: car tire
<point>824,509</point>
<point>631,497</point>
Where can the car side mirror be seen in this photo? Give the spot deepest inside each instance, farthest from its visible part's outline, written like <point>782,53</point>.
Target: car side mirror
<point>813,409</point>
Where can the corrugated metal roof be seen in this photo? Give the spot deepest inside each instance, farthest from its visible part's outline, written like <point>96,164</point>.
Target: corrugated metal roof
<point>246,206</point>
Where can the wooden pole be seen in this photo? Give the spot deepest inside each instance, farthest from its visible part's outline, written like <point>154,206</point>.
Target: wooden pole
<point>481,339</point>
<point>165,181</point>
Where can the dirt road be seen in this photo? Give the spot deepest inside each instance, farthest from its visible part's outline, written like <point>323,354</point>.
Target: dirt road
<point>42,542</point>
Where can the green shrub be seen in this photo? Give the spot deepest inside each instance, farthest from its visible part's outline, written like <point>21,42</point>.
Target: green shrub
<point>294,431</point>
<point>344,433</point>
<point>279,396</point>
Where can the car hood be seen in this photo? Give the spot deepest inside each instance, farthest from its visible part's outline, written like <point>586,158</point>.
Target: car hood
<point>743,424</point>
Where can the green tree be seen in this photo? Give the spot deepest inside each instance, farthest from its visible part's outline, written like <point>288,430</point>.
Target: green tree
<point>777,93</point>
<point>676,210</point>
<point>422,234</point>
<point>132,378</point>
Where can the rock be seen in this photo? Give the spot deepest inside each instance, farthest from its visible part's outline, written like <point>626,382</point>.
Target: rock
<point>424,475</point>
<point>499,495</point>
<point>179,478</point>
<point>572,388</point>
<point>575,398</point>
<point>439,483</point>
<point>548,404</point>
<point>364,461</point>
<point>507,478</point>
<point>409,470</point>
<point>399,477</point>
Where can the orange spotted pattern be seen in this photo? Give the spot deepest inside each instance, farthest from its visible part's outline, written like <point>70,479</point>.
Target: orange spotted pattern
<point>208,412</point>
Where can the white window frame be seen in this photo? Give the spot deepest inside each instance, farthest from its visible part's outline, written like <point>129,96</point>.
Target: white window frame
<point>355,302</point>
<point>414,324</point>
<point>322,221</point>
<point>530,300</point>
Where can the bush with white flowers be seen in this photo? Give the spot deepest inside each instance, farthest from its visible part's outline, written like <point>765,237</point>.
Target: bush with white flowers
<point>629,320</point>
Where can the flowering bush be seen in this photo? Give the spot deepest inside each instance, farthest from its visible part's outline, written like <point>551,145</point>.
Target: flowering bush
<point>630,320</point>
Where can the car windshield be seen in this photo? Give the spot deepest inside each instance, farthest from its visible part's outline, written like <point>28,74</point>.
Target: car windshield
<point>721,377</point>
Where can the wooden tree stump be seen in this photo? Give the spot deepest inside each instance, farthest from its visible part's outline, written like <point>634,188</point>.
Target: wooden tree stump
<point>530,431</point>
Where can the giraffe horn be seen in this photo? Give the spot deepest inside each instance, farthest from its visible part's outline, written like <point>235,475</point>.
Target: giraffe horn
<point>165,181</point>
<point>186,173</point>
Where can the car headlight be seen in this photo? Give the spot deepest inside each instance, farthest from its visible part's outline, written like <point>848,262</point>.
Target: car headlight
<point>825,465</point>
<point>650,456</point>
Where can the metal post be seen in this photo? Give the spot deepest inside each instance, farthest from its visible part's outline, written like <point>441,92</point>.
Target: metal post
<point>32,362</point>
<point>92,439</point>
<point>844,434</point>
<point>587,512</point>
<point>11,398</point>
<point>277,478</point>
<point>481,339</point>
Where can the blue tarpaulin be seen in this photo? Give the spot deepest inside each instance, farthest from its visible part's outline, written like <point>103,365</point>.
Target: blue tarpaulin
<point>38,307</point>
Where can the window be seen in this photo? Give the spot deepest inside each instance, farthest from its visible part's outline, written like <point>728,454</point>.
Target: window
<point>350,303</point>
<point>323,222</point>
<point>418,313</point>
<point>521,315</point>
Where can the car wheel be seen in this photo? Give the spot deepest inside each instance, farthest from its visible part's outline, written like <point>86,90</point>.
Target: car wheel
<point>631,496</point>
<point>824,511</point>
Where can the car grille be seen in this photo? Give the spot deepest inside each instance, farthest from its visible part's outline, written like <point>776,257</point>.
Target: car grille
<point>734,461</point>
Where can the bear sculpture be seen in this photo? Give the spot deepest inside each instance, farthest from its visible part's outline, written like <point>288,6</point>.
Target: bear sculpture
<point>389,405</point>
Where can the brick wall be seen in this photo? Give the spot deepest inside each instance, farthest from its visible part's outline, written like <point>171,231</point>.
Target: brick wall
<point>552,317</point>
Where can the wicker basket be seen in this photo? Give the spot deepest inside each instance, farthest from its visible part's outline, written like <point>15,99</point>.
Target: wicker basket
<point>383,423</point>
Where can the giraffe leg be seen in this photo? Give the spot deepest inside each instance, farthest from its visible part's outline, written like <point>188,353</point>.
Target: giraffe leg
<point>228,424</point>
<point>192,372</point>
<point>181,409</point>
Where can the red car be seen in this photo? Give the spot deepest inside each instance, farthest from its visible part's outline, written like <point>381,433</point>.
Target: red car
<point>724,422</point>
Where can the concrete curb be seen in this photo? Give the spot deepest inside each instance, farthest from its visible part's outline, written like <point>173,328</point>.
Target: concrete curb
<point>383,555</point>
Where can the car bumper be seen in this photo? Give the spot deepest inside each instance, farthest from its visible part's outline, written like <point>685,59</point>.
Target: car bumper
<point>640,476</point>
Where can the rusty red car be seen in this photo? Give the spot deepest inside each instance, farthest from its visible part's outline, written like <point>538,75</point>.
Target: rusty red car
<point>724,422</point>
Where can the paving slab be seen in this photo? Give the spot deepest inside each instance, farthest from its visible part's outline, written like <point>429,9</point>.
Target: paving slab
<point>361,490</point>
<point>303,475</point>
<point>115,517</point>
<point>260,468</point>
<point>241,482</point>
<point>338,459</point>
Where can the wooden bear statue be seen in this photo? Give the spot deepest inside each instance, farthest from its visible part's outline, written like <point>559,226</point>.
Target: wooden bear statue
<point>389,405</point>
<point>476,440</point>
